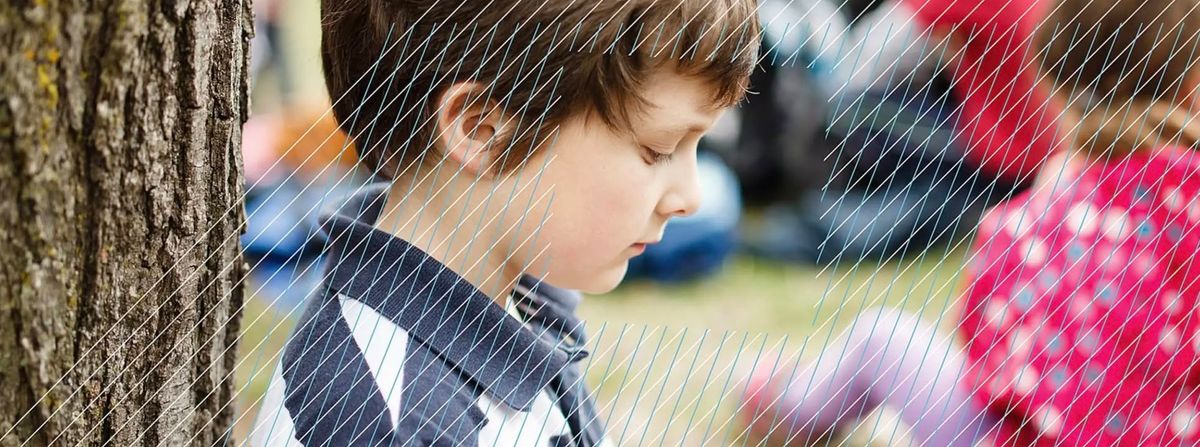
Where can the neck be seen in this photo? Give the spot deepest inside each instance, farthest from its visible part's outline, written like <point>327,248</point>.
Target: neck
<point>448,222</point>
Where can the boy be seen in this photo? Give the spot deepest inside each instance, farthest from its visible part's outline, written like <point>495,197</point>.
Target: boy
<point>535,143</point>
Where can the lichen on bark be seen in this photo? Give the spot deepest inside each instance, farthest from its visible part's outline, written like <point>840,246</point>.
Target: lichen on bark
<point>120,210</point>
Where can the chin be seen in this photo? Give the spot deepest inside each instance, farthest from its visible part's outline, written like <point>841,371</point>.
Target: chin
<point>599,283</point>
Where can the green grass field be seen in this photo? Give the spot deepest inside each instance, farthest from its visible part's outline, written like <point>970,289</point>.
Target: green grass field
<point>667,360</point>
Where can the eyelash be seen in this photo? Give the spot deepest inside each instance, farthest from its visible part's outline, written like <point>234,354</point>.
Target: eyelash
<point>657,157</point>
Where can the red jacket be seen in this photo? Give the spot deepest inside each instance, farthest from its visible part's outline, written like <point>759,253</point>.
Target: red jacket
<point>1005,121</point>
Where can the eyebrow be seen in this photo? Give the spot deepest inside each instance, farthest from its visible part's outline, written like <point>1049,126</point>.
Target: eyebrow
<point>685,129</point>
<point>695,126</point>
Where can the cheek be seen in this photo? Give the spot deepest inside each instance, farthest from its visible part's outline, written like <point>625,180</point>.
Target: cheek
<point>613,202</point>
<point>593,217</point>
<point>597,213</point>
<point>577,253</point>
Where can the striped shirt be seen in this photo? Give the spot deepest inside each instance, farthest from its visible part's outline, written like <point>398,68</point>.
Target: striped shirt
<point>396,349</point>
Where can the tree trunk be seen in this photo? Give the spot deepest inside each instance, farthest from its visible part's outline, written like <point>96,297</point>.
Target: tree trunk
<point>120,210</point>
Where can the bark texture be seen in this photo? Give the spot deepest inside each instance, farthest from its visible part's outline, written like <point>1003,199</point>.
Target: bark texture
<point>120,210</point>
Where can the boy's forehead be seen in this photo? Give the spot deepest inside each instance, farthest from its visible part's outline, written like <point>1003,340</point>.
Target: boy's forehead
<point>679,103</point>
<point>677,115</point>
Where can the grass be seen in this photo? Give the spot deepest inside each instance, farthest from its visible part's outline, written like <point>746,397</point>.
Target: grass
<point>667,360</point>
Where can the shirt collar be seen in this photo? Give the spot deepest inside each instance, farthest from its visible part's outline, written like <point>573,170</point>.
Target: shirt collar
<point>437,307</point>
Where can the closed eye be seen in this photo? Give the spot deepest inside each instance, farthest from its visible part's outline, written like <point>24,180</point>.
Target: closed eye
<point>656,157</point>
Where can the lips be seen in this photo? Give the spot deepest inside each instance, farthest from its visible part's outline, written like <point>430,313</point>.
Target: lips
<point>640,247</point>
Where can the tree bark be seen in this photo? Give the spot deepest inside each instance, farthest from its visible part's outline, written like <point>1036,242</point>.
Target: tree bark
<point>120,210</point>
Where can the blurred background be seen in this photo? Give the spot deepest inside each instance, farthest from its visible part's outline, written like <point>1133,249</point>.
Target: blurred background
<point>828,192</point>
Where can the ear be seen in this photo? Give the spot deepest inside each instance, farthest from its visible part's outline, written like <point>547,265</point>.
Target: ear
<point>467,127</point>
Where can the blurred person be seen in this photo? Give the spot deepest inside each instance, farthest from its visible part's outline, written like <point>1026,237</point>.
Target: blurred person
<point>1079,317</point>
<point>932,117</point>
<point>296,162</point>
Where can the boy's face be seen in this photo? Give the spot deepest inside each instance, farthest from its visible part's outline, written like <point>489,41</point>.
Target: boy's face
<point>610,193</point>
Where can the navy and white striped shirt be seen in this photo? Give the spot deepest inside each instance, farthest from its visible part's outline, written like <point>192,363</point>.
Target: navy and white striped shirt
<point>398,350</point>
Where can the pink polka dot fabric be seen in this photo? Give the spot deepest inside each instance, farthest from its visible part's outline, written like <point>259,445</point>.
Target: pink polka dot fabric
<point>1080,316</point>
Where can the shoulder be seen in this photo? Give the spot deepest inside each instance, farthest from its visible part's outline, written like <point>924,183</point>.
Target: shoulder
<point>349,373</point>
<point>1162,182</point>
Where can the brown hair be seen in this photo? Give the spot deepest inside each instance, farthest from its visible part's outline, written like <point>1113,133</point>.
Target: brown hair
<point>594,54</point>
<point>1124,67</point>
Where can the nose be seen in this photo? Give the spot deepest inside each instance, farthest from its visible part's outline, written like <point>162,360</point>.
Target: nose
<point>683,197</point>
